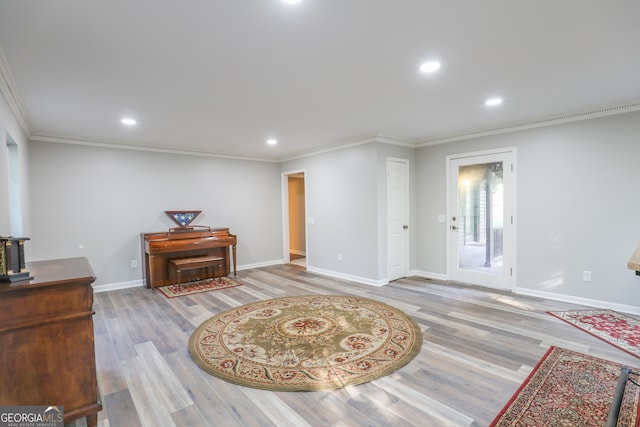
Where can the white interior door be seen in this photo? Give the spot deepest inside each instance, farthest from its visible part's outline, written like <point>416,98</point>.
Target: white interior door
<point>397,218</point>
<point>481,218</point>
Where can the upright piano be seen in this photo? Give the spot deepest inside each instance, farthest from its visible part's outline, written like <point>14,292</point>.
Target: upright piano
<point>185,242</point>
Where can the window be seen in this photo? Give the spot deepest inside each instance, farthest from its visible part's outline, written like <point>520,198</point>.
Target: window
<point>15,205</point>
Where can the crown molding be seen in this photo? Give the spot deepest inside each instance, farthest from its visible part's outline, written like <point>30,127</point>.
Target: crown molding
<point>549,121</point>
<point>132,147</point>
<point>385,139</point>
<point>12,95</point>
<point>121,146</point>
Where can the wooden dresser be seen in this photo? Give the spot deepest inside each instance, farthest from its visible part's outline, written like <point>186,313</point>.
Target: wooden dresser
<point>47,352</point>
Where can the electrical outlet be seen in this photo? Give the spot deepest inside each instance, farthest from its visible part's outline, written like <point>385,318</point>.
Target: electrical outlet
<point>134,263</point>
<point>586,276</point>
<point>340,257</point>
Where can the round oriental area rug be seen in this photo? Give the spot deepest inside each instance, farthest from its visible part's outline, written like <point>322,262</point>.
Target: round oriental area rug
<point>306,343</point>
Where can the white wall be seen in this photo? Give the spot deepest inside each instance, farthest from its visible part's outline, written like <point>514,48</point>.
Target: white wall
<point>341,196</point>
<point>95,202</point>
<point>346,197</point>
<point>9,124</point>
<point>577,208</point>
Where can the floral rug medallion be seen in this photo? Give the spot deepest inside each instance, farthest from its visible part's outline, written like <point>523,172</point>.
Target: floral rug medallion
<point>306,343</point>
<point>615,328</point>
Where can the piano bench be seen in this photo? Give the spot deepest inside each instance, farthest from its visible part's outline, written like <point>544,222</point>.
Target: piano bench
<point>213,265</point>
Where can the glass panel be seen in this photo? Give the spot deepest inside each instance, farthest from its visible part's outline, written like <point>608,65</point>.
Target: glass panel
<point>480,217</point>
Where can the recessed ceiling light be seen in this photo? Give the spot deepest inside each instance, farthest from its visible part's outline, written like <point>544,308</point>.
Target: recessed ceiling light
<point>291,1</point>
<point>128,121</point>
<point>430,66</point>
<point>492,102</point>
<point>272,141</point>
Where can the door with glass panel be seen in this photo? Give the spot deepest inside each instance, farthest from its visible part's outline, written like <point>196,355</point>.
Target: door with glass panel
<point>481,218</point>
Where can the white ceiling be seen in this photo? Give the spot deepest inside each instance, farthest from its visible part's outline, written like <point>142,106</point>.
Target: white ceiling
<point>223,76</point>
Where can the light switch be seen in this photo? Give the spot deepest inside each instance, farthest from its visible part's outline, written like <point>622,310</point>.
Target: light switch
<point>441,218</point>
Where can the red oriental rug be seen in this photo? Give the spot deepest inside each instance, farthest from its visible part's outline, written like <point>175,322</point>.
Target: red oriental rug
<point>617,329</point>
<point>567,388</point>
<point>182,289</point>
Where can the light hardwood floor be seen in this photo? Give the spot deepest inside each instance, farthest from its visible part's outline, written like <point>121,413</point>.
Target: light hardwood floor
<point>479,346</point>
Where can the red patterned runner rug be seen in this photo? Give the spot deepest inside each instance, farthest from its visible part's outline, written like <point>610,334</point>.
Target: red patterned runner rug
<point>182,289</point>
<point>567,388</point>
<point>306,343</point>
<point>617,329</point>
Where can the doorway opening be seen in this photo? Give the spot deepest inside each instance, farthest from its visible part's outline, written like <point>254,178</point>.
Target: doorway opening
<point>295,225</point>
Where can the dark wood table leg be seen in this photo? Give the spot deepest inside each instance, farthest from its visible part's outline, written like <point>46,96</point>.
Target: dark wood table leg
<point>92,420</point>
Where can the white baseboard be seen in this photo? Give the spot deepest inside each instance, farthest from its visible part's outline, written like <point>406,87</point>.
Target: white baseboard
<point>132,284</point>
<point>116,286</point>
<point>260,264</point>
<point>338,275</point>
<point>630,309</point>
<point>323,272</point>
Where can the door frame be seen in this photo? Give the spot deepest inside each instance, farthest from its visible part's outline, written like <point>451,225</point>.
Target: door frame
<point>286,245</point>
<point>509,260</point>
<point>407,208</point>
